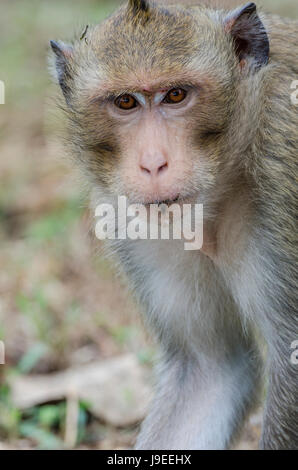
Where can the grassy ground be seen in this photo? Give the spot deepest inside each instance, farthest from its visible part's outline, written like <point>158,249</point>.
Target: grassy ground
<point>59,304</point>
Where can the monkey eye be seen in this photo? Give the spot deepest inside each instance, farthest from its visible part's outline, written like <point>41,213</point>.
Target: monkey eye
<point>174,96</point>
<point>126,102</point>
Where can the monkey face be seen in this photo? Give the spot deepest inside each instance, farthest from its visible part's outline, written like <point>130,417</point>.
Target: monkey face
<point>151,97</point>
<point>154,140</point>
<point>157,157</point>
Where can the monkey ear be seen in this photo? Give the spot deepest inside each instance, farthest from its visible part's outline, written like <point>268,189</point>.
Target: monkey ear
<point>63,53</point>
<point>249,34</point>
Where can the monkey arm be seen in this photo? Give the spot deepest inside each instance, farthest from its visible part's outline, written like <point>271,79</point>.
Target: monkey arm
<point>199,404</point>
<point>263,285</point>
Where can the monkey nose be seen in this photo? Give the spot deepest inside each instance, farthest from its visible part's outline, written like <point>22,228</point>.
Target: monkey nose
<point>153,165</point>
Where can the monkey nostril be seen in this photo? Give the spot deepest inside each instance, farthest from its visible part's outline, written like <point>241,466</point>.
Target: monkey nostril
<point>162,168</point>
<point>146,170</point>
<point>154,170</point>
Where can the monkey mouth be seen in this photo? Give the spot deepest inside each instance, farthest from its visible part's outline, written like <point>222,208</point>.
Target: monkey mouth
<point>177,198</point>
<point>167,202</point>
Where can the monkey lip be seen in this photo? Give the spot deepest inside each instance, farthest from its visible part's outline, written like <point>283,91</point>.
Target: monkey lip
<point>174,198</point>
<point>167,202</point>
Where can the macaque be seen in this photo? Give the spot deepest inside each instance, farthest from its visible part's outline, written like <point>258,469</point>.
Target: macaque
<point>193,105</point>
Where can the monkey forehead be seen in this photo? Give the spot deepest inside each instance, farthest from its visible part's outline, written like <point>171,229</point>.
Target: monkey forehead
<point>163,38</point>
<point>157,50</point>
<point>167,47</point>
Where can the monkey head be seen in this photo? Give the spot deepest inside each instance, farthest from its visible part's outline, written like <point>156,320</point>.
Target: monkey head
<point>152,96</point>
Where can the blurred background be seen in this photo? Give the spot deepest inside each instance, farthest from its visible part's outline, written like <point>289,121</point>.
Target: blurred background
<point>78,364</point>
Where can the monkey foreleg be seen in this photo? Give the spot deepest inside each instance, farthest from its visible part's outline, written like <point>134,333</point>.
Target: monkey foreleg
<point>200,404</point>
